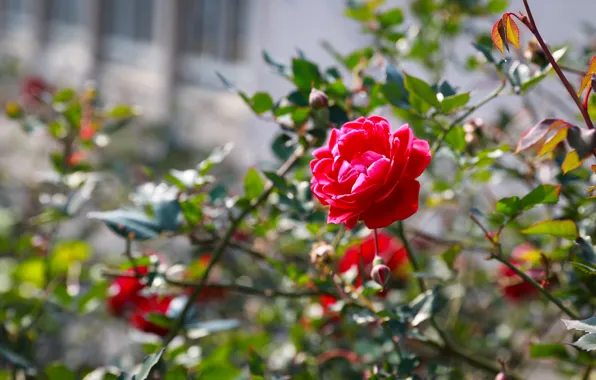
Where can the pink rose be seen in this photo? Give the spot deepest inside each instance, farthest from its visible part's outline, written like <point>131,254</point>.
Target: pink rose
<point>368,173</point>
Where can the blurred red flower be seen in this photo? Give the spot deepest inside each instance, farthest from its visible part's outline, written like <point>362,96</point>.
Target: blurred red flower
<point>361,256</point>
<point>33,88</point>
<point>513,287</point>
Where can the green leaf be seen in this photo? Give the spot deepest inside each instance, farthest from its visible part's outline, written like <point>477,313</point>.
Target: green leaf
<point>64,96</point>
<point>553,350</point>
<point>560,228</point>
<point>394,88</point>
<point>66,253</point>
<point>14,358</point>
<point>497,6</point>
<point>261,102</point>
<point>587,269</point>
<point>253,184</point>
<point>423,90</point>
<point>451,254</point>
<point>58,371</point>
<point>125,222</point>
<point>278,181</point>
<point>148,363</point>
<point>391,18</point>
<point>122,111</point>
<point>454,102</point>
<point>456,139</point>
<point>586,325</point>
<point>427,304</point>
<point>586,342</point>
<point>256,364</point>
<point>543,194</point>
<point>509,206</point>
<point>371,288</point>
<point>215,157</point>
<point>306,74</point>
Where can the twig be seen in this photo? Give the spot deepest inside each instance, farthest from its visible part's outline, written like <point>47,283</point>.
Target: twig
<point>224,242</point>
<point>498,255</point>
<point>129,256</point>
<point>437,144</point>
<point>531,24</point>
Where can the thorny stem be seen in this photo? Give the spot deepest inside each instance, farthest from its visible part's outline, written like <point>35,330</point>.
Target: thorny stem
<point>497,91</point>
<point>498,255</point>
<point>225,240</point>
<point>531,24</point>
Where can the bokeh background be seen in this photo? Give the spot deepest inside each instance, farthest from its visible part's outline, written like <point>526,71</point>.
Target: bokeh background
<point>162,55</point>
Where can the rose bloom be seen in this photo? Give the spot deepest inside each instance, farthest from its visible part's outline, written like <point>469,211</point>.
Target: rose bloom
<point>153,304</point>
<point>362,255</point>
<point>33,88</point>
<point>513,287</point>
<point>368,173</point>
<point>124,293</point>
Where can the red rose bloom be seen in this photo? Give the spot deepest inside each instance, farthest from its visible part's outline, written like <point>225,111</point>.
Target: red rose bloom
<point>124,292</point>
<point>33,87</point>
<point>362,255</point>
<point>513,287</point>
<point>150,305</point>
<point>368,173</point>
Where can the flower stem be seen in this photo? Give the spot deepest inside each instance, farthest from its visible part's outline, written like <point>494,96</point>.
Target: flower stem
<point>534,29</point>
<point>402,235</point>
<point>376,239</point>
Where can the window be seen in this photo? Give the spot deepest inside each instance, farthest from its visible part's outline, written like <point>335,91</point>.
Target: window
<point>66,11</point>
<point>128,19</point>
<point>213,28</point>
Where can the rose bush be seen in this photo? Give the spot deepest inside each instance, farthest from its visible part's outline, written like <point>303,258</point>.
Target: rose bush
<point>476,237</point>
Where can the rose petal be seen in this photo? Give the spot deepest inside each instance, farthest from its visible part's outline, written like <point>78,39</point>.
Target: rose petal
<point>399,205</point>
<point>418,161</point>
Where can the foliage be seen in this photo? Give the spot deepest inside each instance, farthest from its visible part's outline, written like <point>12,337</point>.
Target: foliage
<point>274,291</point>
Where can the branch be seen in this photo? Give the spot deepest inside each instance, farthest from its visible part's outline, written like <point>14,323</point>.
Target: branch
<point>225,241</point>
<point>534,29</point>
<point>471,110</point>
<point>501,258</point>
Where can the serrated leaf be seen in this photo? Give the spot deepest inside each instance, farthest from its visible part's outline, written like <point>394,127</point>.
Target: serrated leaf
<point>591,271</point>
<point>497,33</point>
<point>586,342</point>
<point>511,30</point>
<point>586,325</point>
<point>543,194</point>
<point>306,74</point>
<point>454,102</point>
<point>261,102</point>
<point>509,206</point>
<point>422,90</point>
<point>533,135</point>
<point>588,77</point>
<point>427,305</point>
<point>560,228</point>
<point>571,162</point>
<point>127,222</point>
<point>148,363</point>
<point>253,184</point>
<point>552,142</point>
<point>278,181</point>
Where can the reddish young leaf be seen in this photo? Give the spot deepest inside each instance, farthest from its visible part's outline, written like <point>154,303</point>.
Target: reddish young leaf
<point>588,78</point>
<point>533,136</point>
<point>497,36</point>
<point>554,140</point>
<point>511,30</point>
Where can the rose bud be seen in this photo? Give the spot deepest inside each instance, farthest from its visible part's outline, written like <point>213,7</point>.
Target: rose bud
<point>380,272</point>
<point>318,99</point>
<point>321,254</point>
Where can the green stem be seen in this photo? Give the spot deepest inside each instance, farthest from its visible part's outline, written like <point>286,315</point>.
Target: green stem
<point>496,92</point>
<point>225,241</point>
